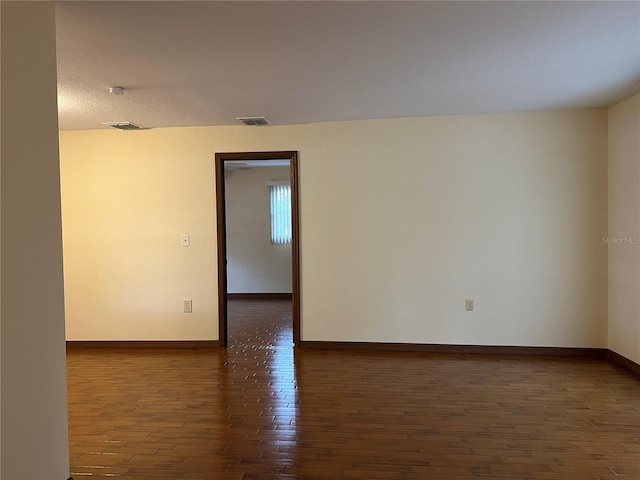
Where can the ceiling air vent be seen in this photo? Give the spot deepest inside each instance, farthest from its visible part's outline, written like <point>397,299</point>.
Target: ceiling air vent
<point>123,125</point>
<point>253,121</point>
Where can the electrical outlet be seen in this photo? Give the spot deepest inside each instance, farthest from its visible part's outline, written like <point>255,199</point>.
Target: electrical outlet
<point>468,305</point>
<point>188,306</point>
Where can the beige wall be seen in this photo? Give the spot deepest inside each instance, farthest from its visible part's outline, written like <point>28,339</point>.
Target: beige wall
<point>127,199</point>
<point>624,228</point>
<point>254,265</point>
<point>401,221</point>
<point>33,395</point>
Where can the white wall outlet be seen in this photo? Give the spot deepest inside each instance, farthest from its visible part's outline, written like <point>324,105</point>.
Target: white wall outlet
<point>468,305</point>
<point>187,306</point>
<point>186,240</point>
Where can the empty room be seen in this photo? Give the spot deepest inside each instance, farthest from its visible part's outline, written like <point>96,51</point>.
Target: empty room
<point>311,240</point>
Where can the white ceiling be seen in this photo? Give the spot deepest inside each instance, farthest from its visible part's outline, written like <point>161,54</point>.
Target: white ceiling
<point>205,63</point>
<point>244,164</point>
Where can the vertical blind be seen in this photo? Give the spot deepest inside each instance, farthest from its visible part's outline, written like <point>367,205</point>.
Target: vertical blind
<point>280,195</point>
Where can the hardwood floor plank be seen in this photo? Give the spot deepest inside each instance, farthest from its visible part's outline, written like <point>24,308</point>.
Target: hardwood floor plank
<point>257,410</point>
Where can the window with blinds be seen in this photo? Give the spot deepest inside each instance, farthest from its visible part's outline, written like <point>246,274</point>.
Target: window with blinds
<point>280,196</point>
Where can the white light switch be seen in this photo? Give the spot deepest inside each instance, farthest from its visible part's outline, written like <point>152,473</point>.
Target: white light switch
<point>186,240</point>
<point>187,306</point>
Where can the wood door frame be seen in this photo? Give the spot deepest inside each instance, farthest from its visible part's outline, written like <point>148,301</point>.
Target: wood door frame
<point>221,215</point>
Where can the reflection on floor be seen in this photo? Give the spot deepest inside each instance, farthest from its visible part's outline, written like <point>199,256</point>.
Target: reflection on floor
<point>254,411</point>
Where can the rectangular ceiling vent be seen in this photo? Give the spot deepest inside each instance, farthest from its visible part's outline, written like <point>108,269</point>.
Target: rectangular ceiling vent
<point>253,121</point>
<point>123,125</point>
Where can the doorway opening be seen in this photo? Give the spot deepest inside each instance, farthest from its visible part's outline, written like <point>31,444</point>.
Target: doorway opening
<point>237,159</point>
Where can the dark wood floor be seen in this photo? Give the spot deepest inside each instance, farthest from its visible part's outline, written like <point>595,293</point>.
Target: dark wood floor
<point>256,411</point>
